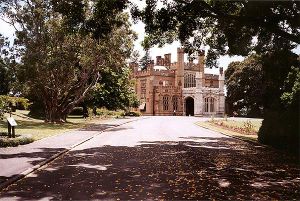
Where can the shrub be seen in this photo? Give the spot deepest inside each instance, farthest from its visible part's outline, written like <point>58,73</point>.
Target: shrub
<point>21,103</point>
<point>77,111</point>
<point>133,114</point>
<point>14,103</point>
<point>13,142</point>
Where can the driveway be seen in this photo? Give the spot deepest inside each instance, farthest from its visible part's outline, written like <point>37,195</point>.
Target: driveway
<point>163,158</point>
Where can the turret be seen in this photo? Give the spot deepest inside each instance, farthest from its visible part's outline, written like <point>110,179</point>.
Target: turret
<point>180,67</point>
<point>134,67</point>
<point>221,79</point>
<point>201,55</point>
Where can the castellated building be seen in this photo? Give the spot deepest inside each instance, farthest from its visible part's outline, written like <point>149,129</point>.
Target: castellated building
<point>179,88</point>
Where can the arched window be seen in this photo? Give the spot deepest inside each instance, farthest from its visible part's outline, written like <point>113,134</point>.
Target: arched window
<point>175,103</point>
<point>189,80</point>
<point>165,103</point>
<point>209,104</point>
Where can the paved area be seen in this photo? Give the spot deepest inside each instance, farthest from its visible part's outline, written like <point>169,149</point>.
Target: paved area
<point>15,160</point>
<point>163,158</point>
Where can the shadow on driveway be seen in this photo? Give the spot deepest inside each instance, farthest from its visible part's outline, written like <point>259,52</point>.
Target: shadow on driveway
<point>195,168</point>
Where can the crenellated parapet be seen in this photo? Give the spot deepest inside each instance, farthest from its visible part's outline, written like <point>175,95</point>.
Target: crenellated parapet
<point>143,73</point>
<point>167,73</point>
<point>191,66</point>
<point>149,72</point>
<point>167,89</point>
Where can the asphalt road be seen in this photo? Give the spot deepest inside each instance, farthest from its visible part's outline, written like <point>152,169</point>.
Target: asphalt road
<point>163,158</point>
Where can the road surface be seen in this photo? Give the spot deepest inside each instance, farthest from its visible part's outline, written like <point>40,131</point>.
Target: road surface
<point>163,158</point>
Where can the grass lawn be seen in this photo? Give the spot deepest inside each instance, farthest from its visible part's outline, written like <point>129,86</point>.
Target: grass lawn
<point>245,129</point>
<point>38,129</point>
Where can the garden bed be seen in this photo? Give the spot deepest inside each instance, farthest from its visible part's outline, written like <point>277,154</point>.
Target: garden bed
<point>5,141</point>
<point>245,129</point>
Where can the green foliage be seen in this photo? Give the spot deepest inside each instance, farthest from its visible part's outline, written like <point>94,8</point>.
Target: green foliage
<point>245,88</point>
<point>280,127</point>
<point>4,84</point>
<point>7,103</point>
<point>145,60</point>
<point>19,103</point>
<point>228,27</point>
<point>63,45</point>
<point>133,114</point>
<point>105,113</point>
<point>3,106</point>
<point>7,77</point>
<point>292,88</point>
<point>114,90</point>
<point>13,142</point>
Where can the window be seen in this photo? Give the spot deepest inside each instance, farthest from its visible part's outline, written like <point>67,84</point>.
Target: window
<point>189,80</point>
<point>143,89</point>
<point>175,103</point>
<point>165,103</point>
<point>209,104</point>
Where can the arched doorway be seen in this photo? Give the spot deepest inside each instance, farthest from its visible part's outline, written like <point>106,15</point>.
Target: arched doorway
<point>189,106</point>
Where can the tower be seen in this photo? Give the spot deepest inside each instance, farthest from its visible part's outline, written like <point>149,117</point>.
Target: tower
<point>180,67</point>
<point>201,55</point>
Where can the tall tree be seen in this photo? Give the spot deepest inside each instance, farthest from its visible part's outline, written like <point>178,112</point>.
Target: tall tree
<point>63,49</point>
<point>245,88</point>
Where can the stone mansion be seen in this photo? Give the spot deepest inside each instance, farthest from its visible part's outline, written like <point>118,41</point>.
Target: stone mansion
<point>165,88</point>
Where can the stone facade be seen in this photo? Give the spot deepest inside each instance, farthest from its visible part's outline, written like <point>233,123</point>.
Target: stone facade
<point>165,88</point>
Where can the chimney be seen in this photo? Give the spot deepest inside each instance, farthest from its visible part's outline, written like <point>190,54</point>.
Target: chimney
<point>167,59</point>
<point>158,60</point>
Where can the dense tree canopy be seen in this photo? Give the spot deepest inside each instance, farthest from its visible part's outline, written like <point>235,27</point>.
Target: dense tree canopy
<point>245,88</point>
<point>228,27</point>
<point>63,45</point>
<point>114,90</point>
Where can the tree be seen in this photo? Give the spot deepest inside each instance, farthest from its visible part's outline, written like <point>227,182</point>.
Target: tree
<point>269,81</point>
<point>114,90</point>
<point>268,28</point>
<point>145,60</point>
<point>4,69</point>
<point>244,83</point>
<point>228,27</point>
<point>280,126</point>
<point>63,48</point>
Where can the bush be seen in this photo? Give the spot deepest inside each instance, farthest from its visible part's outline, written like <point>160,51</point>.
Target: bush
<point>21,103</point>
<point>13,142</point>
<point>77,111</point>
<point>13,103</point>
<point>133,114</point>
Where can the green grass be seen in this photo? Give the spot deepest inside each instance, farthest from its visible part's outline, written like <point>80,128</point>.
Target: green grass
<point>234,128</point>
<point>38,129</point>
